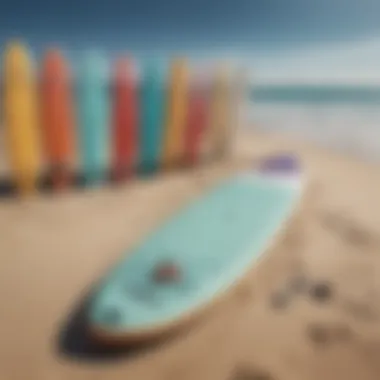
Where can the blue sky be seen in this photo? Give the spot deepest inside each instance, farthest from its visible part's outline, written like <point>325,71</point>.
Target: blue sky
<point>282,38</point>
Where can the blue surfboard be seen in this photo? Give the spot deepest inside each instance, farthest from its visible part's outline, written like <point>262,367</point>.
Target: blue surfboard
<point>196,255</point>
<point>93,112</point>
<point>152,97</point>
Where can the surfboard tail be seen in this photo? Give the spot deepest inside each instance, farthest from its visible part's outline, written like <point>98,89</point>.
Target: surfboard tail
<point>286,164</point>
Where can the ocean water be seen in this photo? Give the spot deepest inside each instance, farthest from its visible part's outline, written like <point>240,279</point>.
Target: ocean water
<point>345,118</point>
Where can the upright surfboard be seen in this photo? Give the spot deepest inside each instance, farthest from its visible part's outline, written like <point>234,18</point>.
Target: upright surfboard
<point>21,120</point>
<point>151,116</point>
<point>93,102</point>
<point>125,119</point>
<point>177,107</point>
<point>220,114</point>
<point>198,254</point>
<point>240,96</point>
<point>57,118</point>
<point>238,99</point>
<point>196,120</point>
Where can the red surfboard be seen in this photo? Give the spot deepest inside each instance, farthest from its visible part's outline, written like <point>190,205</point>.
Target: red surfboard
<point>57,118</point>
<point>197,122</point>
<point>125,120</point>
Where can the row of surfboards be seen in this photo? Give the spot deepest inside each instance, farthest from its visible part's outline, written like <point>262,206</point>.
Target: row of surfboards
<point>107,120</point>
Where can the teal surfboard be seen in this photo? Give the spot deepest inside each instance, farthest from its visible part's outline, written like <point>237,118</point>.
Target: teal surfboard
<point>197,254</point>
<point>152,97</point>
<point>93,113</point>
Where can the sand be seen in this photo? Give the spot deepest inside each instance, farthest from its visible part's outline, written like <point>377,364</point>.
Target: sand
<point>53,248</point>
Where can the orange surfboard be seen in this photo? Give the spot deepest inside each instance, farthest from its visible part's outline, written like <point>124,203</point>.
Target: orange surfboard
<point>57,118</point>
<point>177,109</point>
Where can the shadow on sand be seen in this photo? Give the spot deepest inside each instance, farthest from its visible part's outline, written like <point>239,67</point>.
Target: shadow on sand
<point>74,340</point>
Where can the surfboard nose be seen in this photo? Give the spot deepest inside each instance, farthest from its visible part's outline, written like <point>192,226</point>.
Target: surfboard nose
<point>285,163</point>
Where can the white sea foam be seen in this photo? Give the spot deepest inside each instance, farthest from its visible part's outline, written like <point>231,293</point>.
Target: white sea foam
<point>352,128</point>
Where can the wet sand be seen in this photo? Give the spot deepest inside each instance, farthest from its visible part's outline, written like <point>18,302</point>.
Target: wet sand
<point>311,310</point>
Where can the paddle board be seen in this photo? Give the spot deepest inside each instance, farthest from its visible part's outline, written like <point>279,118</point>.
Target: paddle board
<point>57,118</point>
<point>173,150</point>
<point>21,121</point>
<point>197,255</point>
<point>125,119</point>
<point>151,116</point>
<point>93,102</point>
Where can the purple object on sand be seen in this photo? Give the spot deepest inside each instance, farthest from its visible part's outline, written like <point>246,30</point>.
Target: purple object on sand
<point>282,163</point>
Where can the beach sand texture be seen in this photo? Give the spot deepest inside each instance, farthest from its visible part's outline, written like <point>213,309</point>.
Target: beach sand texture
<point>311,310</point>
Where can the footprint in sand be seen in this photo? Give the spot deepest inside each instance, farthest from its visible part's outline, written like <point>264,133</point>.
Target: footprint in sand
<point>331,221</point>
<point>280,300</point>
<point>318,291</point>
<point>250,373</point>
<point>361,311</point>
<point>321,291</point>
<point>358,236</point>
<point>298,284</point>
<point>347,229</point>
<point>322,335</point>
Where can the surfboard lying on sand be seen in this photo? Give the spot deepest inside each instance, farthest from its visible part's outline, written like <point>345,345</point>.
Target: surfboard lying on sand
<point>197,255</point>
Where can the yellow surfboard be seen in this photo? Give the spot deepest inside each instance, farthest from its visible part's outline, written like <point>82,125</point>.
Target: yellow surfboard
<point>20,114</point>
<point>177,108</point>
<point>219,128</point>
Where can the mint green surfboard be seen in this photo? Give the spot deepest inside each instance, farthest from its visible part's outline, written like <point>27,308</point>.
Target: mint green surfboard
<point>197,254</point>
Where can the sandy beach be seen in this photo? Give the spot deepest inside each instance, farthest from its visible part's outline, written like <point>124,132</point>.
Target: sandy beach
<point>311,310</point>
